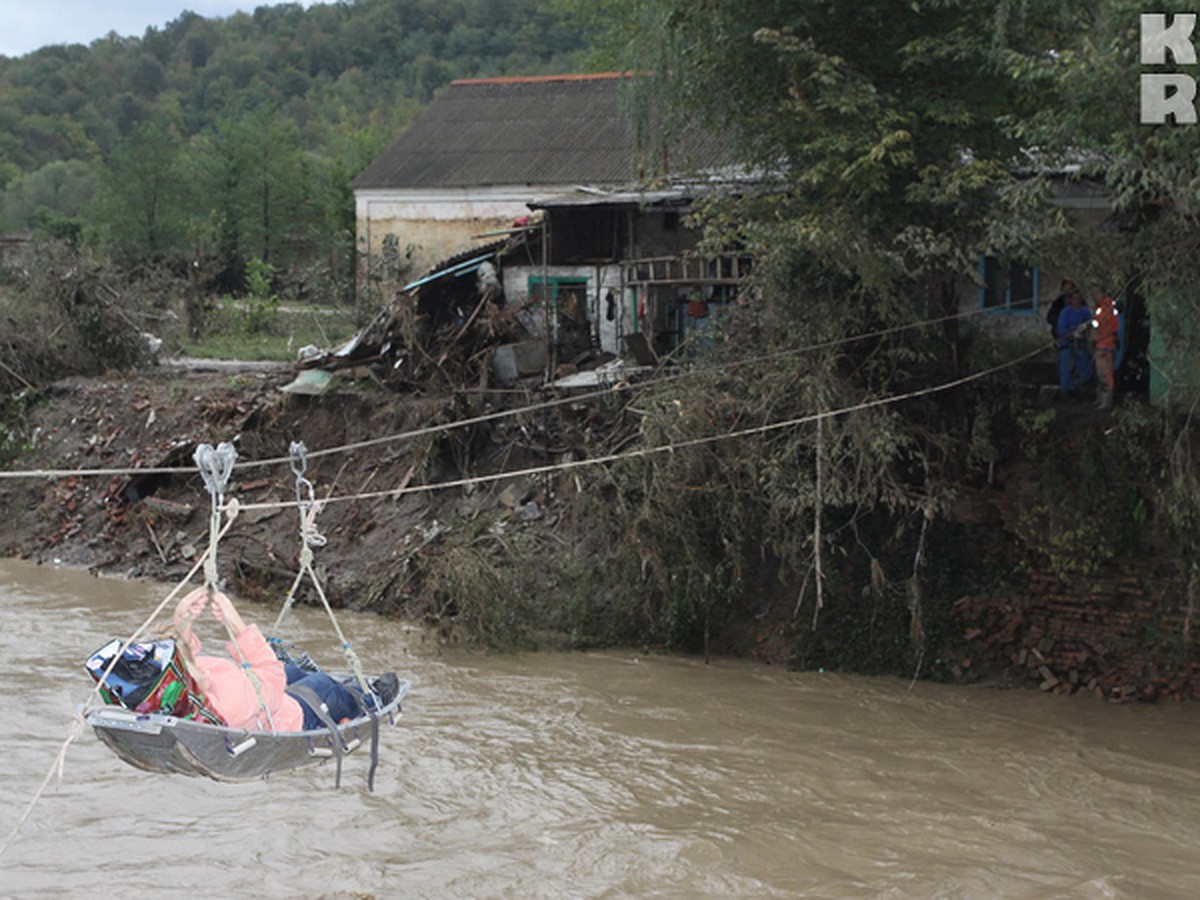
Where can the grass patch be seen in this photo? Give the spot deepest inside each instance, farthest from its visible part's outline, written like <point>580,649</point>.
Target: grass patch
<point>237,330</point>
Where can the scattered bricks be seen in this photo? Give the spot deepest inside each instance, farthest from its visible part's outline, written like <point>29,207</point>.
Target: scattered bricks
<point>1098,635</point>
<point>1123,694</point>
<point>169,509</point>
<point>1048,677</point>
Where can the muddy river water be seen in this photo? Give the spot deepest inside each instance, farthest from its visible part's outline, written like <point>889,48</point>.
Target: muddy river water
<point>604,774</point>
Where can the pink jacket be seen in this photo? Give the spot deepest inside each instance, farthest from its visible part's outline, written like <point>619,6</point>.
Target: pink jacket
<point>231,693</point>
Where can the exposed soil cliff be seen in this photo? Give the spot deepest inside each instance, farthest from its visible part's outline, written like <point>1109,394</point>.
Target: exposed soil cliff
<point>153,526</point>
<point>1123,631</point>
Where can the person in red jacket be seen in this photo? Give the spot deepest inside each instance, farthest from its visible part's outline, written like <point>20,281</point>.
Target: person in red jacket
<point>1106,328</point>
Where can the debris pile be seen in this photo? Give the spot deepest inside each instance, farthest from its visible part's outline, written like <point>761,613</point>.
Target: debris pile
<point>1108,635</point>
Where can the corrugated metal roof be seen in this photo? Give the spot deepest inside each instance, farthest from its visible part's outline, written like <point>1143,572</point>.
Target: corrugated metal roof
<point>672,196</point>
<point>518,131</point>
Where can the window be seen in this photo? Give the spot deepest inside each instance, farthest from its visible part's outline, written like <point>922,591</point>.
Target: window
<point>569,307</point>
<point>1008,286</point>
<point>562,291</point>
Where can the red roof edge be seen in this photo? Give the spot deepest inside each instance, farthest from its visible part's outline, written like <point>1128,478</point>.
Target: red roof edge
<point>517,79</point>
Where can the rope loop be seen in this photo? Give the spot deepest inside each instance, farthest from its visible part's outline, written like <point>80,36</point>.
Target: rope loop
<point>308,507</point>
<point>306,501</point>
<point>216,468</point>
<point>308,528</point>
<point>298,455</point>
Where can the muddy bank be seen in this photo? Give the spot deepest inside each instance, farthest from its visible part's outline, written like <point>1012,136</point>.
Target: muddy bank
<point>153,526</point>
<point>497,563</point>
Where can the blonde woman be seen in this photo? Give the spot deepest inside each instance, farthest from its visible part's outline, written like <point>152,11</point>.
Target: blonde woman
<point>228,683</point>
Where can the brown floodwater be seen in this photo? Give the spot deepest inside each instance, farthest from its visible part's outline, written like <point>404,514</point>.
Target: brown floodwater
<point>607,774</point>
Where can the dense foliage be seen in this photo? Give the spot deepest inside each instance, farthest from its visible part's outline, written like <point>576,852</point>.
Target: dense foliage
<point>898,140</point>
<point>237,138</point>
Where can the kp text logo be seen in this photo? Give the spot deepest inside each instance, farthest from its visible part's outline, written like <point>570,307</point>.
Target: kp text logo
<point>1168,93</point>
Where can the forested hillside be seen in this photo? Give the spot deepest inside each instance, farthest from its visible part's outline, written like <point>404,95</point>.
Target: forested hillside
<point>231,139</point>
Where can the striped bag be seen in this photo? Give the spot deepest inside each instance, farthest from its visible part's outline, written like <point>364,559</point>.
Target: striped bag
<point>149,677</point>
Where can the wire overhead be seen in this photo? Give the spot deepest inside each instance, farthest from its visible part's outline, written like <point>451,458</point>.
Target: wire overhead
<point>530,408</point>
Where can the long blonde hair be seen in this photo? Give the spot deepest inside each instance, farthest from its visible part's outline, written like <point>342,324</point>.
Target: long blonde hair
<point>184,647</point>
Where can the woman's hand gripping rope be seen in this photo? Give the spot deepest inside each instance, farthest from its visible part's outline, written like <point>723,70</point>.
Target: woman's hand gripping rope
<point>226,613</point>
<point>192,606</point>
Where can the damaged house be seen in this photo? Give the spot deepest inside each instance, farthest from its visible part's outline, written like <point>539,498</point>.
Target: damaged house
<point>548,238</point>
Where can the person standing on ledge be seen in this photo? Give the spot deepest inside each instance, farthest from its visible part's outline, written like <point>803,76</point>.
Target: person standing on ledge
<point>1074,360</point>
<point>1064,290</point>
<point>1106,328</point>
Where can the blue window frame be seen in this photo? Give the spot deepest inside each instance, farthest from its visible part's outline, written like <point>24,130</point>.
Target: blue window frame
<point>1010,287</point>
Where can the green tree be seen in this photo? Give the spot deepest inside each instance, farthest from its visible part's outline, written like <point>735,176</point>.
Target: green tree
<point>259,186</point>
<point>60,189</point>
<point>259,113</point>
<point>883,134</point>
<point>1150,174</point>
<point>144,210</point>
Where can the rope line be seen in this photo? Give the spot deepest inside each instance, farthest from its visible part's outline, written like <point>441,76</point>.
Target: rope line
<point>310,538</point>
<point>500,414</point>
<point>232,509</point>
<point>664,448</point>
<point>653,382</point>
<point>56,773</point>
<point>216,468</point>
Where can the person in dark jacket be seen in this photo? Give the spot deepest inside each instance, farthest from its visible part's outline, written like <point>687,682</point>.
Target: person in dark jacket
<point>1064,289</point>
<point>1071,337</point>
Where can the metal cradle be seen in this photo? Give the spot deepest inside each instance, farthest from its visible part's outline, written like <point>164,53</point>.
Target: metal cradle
<point>169,745</point>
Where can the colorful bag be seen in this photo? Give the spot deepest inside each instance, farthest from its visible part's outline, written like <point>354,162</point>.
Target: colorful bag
<point>149,677</point>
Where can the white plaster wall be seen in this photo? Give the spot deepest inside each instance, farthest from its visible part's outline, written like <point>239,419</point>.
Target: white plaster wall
<point>611,331</point>
<point>438,224</point>
<point>600,279</point>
